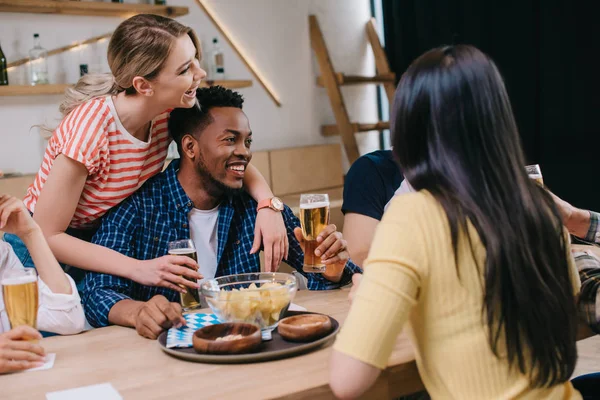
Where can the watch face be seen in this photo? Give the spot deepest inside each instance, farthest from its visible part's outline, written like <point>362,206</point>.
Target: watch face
<point>277,203</point>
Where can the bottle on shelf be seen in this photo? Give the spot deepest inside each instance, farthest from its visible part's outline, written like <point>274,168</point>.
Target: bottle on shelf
<point>3,69</point>
<point>83,69</point>
<point>218,62</point>
<point>160,2</point>
<point>38,61</point>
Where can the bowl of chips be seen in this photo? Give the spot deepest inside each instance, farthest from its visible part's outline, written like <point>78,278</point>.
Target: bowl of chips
<point>256,298</point>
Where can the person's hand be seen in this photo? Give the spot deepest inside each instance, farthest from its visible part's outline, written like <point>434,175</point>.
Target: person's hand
<point>331,249</point>
<point>332,246</point>
<point>271,232</point>
<point>592,251</point>
<point>157,315</point>
<point>168,271</point>
<point>17,352</point>
<point>15,218</point>
<point>356,279</point>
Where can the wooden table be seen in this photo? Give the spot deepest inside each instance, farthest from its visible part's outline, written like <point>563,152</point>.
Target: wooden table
<point>139,369</point>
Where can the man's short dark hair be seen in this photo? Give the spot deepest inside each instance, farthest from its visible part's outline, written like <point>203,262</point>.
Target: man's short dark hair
<point>192,120</point>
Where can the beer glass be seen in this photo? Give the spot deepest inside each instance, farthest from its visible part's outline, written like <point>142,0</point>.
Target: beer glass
<point>191,298</point>
<point>535,173</point>
<point>314,217</point>
<point>20,292</point>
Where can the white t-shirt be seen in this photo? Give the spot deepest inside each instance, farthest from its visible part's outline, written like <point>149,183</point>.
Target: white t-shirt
<point>203,230</point>
<point>58,313</point>
<point>404,188</point>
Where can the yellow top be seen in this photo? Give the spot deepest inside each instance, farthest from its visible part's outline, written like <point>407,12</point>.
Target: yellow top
<point>410,274</point>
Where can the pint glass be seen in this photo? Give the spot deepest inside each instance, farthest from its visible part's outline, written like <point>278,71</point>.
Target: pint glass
<point>191,298</point>
<point>20,292</point>
<point>535,173</point>
<point>314,217</point>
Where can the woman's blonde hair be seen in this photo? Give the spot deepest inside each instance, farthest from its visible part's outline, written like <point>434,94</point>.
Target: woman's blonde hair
<point>139,46</point>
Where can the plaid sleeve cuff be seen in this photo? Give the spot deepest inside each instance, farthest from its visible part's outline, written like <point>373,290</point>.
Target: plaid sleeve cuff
<point>589,297</point>
<point>593,234</point>
<point>349,270</point>
<point>318,282</point>
<point>97,306</point>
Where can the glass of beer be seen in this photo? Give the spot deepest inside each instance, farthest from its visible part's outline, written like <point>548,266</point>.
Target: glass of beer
<point>535,173</point>
<point>314,217</point>
<point>191,298</point>
<point>20,293</point>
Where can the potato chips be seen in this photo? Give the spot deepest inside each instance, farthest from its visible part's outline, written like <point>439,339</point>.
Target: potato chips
<point>258,305</point>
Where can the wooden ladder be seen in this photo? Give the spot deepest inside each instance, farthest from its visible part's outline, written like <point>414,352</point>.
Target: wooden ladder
<point>332,81</point>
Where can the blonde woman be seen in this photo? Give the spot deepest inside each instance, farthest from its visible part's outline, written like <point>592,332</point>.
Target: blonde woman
<point>112,139</point>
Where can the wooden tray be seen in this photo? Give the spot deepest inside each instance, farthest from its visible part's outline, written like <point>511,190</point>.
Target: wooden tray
<point>271,350</point>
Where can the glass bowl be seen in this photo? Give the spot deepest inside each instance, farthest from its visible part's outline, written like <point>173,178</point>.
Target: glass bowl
<point>260,298</point>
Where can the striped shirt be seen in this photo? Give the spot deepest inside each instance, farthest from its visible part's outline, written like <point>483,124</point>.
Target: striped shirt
<point>588,265</point>
<point>117,162</point>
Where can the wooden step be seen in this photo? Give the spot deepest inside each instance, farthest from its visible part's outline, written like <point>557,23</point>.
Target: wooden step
<point>332,130</point>
<point>333,90</point>
<point>381,62</point>
<point>343,79</point>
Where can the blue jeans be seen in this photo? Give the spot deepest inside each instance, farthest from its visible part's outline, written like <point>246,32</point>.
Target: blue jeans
<point>588,385</point>
<point>22,253</point>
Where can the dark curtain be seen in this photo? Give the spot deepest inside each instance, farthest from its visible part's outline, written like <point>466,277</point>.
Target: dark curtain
<point>546,51</point>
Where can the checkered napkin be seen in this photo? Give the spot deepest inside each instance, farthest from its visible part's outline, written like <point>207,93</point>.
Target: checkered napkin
<point>181,338</point>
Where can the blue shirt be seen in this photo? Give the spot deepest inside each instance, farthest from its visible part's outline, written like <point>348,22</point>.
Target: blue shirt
<point>142,226</point>
<point>371,183</point>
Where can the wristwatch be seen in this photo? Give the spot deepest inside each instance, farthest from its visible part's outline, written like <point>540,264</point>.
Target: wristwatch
<point>274,203</point>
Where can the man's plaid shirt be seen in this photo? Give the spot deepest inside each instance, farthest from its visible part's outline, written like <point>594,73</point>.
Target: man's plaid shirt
<point>589,273</point>
<point>142,226</point>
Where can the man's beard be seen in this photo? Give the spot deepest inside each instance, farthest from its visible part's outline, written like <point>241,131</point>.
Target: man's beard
<point>212,185</point>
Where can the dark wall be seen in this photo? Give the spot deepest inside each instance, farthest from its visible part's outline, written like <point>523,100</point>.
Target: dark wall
<point>547,51</point>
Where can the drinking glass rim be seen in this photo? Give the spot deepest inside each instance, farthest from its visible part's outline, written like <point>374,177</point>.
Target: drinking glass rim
<point>324,198</point>
<point>186,241</point>
<point>17,273</point>
<point>293,282</point>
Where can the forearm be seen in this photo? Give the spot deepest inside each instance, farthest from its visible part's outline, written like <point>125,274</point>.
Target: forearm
<point>256,185</point>
<point>359,231</point>
<point>46,265</point>
<point>349,377</point>
<point>578,223</point>
<point>124,313</point>
<point>358,256</point>
<point>333,273</point>
<point>91,257</point>
<point>342,273</point>
<point>332,278</point>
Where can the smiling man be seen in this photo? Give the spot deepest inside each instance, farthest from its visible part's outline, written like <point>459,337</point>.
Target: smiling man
<point>200,197</point>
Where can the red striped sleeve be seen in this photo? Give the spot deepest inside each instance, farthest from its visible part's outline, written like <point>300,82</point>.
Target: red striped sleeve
<point>85,139</point>
<point>117,164</point>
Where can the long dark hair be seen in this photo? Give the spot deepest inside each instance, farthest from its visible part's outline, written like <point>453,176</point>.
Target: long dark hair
<point>455,136</point>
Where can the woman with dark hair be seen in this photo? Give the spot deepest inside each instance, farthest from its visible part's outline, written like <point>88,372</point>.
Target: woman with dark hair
<point>475,259</point>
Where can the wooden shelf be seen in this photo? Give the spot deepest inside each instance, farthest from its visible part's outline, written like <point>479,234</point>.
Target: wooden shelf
<point>228,83</point>
<point>343,79</point>
<point>26,90</point>
<point>88,8</point>
<point>332,130</point>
